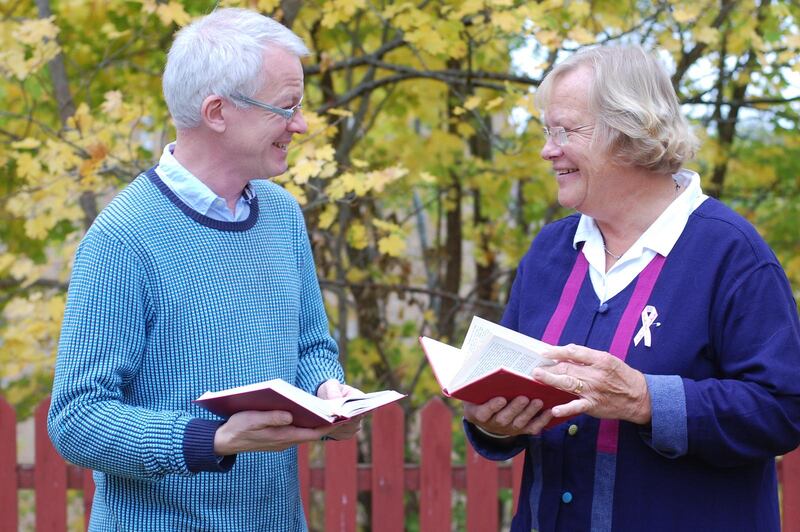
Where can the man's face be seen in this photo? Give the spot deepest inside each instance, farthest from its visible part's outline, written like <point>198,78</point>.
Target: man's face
<point>260,138</point>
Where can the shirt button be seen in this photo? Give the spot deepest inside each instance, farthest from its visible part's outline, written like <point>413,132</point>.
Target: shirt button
<point>572,430</point>
<point>566,497</point>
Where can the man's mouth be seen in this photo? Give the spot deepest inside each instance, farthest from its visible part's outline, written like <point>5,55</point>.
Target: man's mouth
<point>283,146</point>
<point>564,171</point>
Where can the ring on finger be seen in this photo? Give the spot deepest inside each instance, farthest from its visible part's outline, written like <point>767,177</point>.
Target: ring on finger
<point>578,387</point>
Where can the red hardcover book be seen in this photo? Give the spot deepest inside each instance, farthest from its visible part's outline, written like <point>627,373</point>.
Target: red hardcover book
<point>307,410</point>
<point>493,361</point>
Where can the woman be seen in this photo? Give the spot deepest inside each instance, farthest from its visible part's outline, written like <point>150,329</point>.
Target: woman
<point>678,330</point>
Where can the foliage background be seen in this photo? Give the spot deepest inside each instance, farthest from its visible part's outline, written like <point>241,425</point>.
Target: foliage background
<point>420,176</point>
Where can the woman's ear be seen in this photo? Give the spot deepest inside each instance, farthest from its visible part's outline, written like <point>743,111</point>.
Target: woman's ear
<point>211,113</point>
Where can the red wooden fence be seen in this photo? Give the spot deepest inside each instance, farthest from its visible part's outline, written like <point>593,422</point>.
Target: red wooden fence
<point>341,478</point>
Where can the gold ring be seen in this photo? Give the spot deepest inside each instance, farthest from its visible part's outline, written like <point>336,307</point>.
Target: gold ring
<point>578,388</point>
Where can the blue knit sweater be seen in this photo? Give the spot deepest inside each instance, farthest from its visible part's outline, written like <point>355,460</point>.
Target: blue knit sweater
<point>165,304</point>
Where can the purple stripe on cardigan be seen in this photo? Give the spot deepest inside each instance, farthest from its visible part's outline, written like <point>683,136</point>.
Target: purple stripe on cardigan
<point>608,436</point>
<point>552,334</point>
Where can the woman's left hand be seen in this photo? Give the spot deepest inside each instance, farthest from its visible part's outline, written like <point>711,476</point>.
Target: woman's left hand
<point>607,387</point>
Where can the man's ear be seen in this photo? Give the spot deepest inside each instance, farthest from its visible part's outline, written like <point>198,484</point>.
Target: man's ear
<point>211,113</point>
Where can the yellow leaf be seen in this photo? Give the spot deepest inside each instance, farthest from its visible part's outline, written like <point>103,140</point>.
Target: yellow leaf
<point>173,12</point>
<point>507,21</point>
<point>687,12</point>
<point>470,7</point>
<point>327,217</point>
<point>305,169</point>
<point>425,177</point>
<point>385,226</point>
<point>340,112</point>
<point>548,38</point>
<point>325,153</point>
<point>357,236</point>
<point>28,167</point>
<point>356,275</point>
<point>358,163</point>
<point>6,261</point>
<point>392,245</point>
<point>26,144</point>
<point>112,103</point>
<point>472,102</point>
<point>579,9</point>
<point>581,35</point>
<point>428,39</point>
<point>34,31</point>
<point>350,181</point>
<point>491,104</point>
<point>707,35</point>
<point>465,130</point>
<point>14,61</point>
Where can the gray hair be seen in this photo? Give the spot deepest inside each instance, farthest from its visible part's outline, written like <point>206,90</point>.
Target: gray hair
<point>221,53</point>
<point>638,116</point>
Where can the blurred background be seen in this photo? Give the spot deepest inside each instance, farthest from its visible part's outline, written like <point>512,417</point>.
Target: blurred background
<point>420,176</point>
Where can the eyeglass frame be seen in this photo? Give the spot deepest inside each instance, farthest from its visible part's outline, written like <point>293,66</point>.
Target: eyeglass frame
<point>559,133</point>
<point>287,114</point>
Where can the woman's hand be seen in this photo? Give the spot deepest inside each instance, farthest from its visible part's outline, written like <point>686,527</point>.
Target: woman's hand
<point>608,388</point>
<point>503,418</point>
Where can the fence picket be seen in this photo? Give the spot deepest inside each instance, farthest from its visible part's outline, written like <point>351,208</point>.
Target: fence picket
<point>9,517</point>
<point>88,495</point>
<point>517,466</point>
<point>482,484</point>
<point>50,477</point>
<point>388,459</point>
<point>436,479</point>
<point>387,478</point>
<point>790,472</point>
<point>340,485</point>
<point>304,472</point>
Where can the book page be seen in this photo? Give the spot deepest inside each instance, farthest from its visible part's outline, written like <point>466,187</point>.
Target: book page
<point>499,352</point>
<point>480,330</point>
<point>353,406</point>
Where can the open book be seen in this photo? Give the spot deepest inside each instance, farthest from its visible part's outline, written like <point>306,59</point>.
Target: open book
<point>307,410</point>
<point>493,361</point>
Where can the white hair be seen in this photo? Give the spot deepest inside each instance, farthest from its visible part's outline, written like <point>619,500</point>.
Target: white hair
<point>221,53</point>
<point>637,113</point>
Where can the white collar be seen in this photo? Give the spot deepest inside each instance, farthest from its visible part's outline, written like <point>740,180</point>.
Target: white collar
<point>662,234</point>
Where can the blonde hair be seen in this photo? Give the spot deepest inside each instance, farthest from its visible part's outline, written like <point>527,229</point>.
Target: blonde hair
<point>638,117</point>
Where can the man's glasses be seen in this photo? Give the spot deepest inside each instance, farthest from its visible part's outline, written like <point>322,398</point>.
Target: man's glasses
<point>560,135</point>
<point>288,114</point>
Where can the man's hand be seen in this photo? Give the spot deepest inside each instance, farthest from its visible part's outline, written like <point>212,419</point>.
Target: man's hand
<point>333,389</point>
<point>498,416</point>
<point>262,431</point>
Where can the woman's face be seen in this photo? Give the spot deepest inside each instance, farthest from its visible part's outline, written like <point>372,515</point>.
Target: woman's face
<point>578,168</point>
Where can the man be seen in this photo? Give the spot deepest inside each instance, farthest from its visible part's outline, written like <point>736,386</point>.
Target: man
<point>199,276</point>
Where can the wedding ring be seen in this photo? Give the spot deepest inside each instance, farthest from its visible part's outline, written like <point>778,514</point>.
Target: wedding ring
<point>578,387</point>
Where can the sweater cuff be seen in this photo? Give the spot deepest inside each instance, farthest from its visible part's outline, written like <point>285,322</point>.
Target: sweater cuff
<point>668,434</point>
<point>493,448</point>
<point>198,448</point>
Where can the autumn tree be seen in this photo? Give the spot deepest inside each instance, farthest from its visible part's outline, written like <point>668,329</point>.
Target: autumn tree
<point>420,175</point>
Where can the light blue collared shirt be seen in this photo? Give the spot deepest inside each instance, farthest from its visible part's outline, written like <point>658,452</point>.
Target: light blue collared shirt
<point>196,194</point>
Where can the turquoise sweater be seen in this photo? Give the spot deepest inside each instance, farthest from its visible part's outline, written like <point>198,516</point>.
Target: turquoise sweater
<point>163,305</point>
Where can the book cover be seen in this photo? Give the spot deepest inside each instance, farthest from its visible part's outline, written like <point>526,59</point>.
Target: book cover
<point>493,362</point>
<point>308,411</point>
<point>263,400</point>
